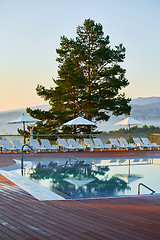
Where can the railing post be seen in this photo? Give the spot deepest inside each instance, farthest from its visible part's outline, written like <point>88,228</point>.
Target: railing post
<point>138,189</point>
<point>152,191</point>
<point>22,155</point>
<point>22,161</point>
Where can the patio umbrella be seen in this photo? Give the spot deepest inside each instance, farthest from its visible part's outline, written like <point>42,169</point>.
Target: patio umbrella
<point>128,178</point>
<point>128,122</point>
<point>24,119</point>
<point>79,182</point>
<point>79,121</point>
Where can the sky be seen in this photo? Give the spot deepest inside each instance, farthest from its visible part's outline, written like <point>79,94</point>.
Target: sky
<point>30,34</point>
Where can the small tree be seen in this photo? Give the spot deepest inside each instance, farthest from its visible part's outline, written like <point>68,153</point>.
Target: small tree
<point>90,80</point>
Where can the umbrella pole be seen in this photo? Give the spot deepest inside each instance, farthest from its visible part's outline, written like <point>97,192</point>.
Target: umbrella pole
<point>129,170</point>
<point>129,133</point>
<point>79,135</point>
<point>74,132</point>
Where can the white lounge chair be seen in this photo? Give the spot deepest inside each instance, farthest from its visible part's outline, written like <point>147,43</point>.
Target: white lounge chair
<point>44,164</point>
<point>126,144</point>
<point>65,146</point>
<point>103,163</point>
<point>137,161</point>
<point>152,145</point>
<point>73,143</point>
<point>115,143</point>
<point>7,146</point>
<point>89,143</point>
<point>46,143</point>
<point>17,144</point>
<point>98,141</point>
<point>35,144</point>
<point>139,143</point>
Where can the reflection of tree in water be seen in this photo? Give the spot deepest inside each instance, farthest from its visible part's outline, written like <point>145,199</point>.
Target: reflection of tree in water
<point>99,186</point>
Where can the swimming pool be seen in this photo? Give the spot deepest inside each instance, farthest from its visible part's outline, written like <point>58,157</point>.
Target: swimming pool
<point>78,178</point>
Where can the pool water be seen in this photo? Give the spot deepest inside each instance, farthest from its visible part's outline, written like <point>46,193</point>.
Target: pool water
<point>98,178</point>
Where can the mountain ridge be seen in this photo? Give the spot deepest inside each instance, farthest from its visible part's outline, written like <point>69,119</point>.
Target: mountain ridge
<point>146,110</point>
<point>145,100</point>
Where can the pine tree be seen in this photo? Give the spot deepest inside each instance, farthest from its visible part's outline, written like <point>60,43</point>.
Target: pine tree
<point>90,80</point>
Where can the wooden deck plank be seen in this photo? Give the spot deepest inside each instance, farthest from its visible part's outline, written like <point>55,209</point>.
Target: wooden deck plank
<point>71,205</point>
<point>24,217</point>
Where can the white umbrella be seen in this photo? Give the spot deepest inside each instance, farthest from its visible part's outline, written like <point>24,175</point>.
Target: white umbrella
<point>128,122</point>
<point>128,178</point>
<point>79,182</point>
<point>24,119</point>
<point>79,121</point>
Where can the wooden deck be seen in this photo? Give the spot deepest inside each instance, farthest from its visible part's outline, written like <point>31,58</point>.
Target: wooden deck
<point>24,217</point>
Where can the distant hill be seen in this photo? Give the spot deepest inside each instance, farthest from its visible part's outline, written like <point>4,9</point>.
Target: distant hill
<point>146,100</point>
<point>6,116</point>
<point>146,110</point>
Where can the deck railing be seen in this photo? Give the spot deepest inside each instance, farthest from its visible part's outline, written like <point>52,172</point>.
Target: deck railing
<point>141,184</point>
<point>24,145</point>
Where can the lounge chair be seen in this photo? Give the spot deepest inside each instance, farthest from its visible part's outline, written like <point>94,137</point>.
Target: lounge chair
<point>44,164</point>
<point>137,161</point>
<point>17,144</point>
<point>152,145</point>
<point>46,143</point>
<point>115,143</point>
<point>139,143</point>
<point>7,146</point>
<point>73,143</point>
<point>125,143</point>
<point>89,143</point>
<point>65,146</point>
<point>98,141</point>
<point>108,162</point>
<point>35,144</point>
<point>103,163</point>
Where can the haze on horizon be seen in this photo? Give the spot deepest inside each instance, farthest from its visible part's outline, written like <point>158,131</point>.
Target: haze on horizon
<point>30,34</point>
